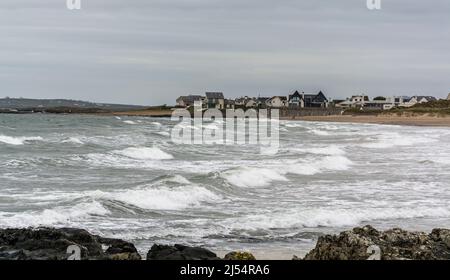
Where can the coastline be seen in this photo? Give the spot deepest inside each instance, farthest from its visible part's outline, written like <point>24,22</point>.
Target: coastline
<point>360,243</point>
<point>419,120</point>
<point>384,119</point>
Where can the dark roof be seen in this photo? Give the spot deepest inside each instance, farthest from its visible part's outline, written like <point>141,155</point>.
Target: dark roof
<point>214,95</point>
<point>296,93</point>
<point>281,97</point>
<point>428,98</point>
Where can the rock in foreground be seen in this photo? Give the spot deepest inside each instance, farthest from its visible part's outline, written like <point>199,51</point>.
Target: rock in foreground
<point>396,244</point>
<point>53,244</point>
<point>239,256</point>
<point>179,252</point>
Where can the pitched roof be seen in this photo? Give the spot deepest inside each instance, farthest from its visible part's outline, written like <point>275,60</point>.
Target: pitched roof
<point>214,95</point>
<point>281,97</point>
<point>190,98</point>
<point>428,98</point>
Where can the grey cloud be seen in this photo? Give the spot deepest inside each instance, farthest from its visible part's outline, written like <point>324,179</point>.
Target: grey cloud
<point>149,52</point>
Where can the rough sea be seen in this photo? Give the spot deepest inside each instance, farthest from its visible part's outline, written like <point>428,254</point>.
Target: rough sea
<point>124,178</point>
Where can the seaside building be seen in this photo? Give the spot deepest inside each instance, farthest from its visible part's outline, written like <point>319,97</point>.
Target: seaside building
<point>229,104</point>
<point>278,102</point>
<point>187,101</point>
<point>448,97</point>
<point>418,100</point>
<point>297,100</point>
<point>215,100</point>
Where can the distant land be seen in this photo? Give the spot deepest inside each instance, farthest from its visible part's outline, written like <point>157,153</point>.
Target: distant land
<point>26,105</point>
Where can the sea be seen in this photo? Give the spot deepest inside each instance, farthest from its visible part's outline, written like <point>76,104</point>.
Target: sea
<point>123,177</point>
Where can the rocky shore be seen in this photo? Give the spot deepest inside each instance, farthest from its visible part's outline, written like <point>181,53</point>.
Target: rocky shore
<point>357,244</point>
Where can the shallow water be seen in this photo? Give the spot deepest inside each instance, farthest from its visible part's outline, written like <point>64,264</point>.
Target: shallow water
<point>122,177</point>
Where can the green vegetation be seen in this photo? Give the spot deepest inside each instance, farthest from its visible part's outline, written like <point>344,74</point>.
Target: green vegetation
<point>433,108</point>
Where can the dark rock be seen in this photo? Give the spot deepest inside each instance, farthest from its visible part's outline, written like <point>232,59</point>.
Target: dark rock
<point>239,256</point>
<point>179,252</point>
<point>52,244</point>
<point>395,244</point>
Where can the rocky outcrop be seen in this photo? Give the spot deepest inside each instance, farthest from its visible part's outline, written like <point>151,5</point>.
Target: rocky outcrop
<point>239,256</point>
<point>395,244</point>
<point>179,252</point>
<point>61,244</point>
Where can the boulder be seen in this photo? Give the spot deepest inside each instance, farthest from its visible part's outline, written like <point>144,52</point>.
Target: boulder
<point>54,244</point>
<point>239,256</point>
<point>179,252</point>
<point>395,244</point>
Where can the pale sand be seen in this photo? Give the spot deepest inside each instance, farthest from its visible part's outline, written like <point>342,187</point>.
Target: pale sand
<point>414,120</point>
<point>142,113</point>
<point>381,119</point>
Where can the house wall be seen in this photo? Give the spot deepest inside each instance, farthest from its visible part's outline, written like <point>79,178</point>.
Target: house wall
<point>277,103</point>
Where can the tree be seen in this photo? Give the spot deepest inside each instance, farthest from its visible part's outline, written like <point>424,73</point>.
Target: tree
<point>380,98</point>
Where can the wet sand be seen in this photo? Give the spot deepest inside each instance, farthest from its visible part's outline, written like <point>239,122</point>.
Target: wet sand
<point>422,120</point>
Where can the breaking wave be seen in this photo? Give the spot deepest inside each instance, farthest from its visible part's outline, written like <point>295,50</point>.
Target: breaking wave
<point>260,177</point>
<point>335,217</point>
<point>390,140</point>
<point>144,153</point>
<point>18,140</point>
<point>55,216</point>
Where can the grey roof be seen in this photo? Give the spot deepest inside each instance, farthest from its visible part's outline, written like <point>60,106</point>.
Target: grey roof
<point>190,98</point>
<point>428,98</point>
<point>214,95</point>
<point>281,97</point>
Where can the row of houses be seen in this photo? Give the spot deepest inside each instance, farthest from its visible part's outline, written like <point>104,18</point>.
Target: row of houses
<point>217,100</point>
<point>301,100</point>
<point>381,102</point>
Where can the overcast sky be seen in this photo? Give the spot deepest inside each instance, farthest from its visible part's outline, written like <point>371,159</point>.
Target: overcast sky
<point>151,51</point>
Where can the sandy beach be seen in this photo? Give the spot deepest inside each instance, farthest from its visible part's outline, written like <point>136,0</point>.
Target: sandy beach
<point>422,120</point>
<point>413,120</point>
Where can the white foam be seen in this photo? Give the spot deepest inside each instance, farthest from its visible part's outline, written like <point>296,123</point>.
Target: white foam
<point>319,132</point>
<point>328,217</point>
<point>389,140</point>
<point>129,122</point>
<point>144,153</point>
<point>178,179</point>
<point>277,171</point>
<point>330,150</point>
<point>55,216</point>
<point>164,198</point>
<point>18,140</point>
<point>73,140</point>
<point>253,177</point>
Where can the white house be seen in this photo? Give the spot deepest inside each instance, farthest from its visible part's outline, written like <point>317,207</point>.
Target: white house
<point>251,103</point>
<point>278,102</point>
<point>418,100</point>
<point>215,100</point>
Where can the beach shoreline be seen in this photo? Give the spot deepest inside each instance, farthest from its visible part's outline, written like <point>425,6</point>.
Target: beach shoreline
<point>420,120</point>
